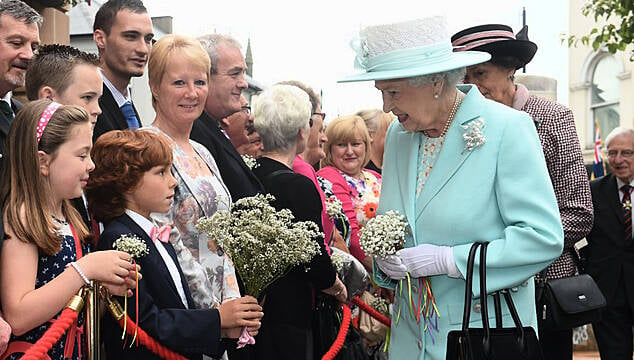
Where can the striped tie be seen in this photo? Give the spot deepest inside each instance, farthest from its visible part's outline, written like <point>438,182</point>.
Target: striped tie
<point>627,211</point>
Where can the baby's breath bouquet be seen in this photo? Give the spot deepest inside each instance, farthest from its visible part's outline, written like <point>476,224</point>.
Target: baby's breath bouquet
<point>383,235</point>
<point>263,243</point>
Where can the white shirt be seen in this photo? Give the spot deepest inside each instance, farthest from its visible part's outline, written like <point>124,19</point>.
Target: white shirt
<point>147,226</point>
<point>116,94</point>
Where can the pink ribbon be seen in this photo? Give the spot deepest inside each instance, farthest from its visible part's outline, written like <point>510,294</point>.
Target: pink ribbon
<point>245,338</point>
<point>161,233</point>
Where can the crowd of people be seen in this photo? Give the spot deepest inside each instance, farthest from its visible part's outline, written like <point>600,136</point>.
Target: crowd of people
<point>463,152</point>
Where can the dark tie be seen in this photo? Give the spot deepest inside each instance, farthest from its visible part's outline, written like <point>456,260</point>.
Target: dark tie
<point>627,211</point>
<point>5,108</point>
<point>130,116</point>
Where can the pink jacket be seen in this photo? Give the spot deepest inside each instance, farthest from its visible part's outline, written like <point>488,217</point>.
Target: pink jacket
<point>345,194</point>
<point>302,167</point>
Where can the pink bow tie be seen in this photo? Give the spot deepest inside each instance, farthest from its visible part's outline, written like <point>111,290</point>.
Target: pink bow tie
<point>161,233</point>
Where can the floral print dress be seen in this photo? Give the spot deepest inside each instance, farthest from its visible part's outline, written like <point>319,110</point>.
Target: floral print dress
<point>368,192</point>
<point>196,195</point>
<point>48,268</point>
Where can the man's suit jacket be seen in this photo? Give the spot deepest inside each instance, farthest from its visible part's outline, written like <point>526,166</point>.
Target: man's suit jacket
<point>111,117</point>
<point>607,253</point>
<point>235,173</point>
<point>4,132</point>
<point>190,332</point>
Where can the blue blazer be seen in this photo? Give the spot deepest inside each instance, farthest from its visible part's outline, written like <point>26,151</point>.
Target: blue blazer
<point>499,192</point>
<point>190,332</point>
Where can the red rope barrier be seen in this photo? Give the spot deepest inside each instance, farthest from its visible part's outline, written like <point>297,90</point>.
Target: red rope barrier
<point>51,336</point>
<point>341,336</point>
<point>147,341</point>
<point>372,312</point>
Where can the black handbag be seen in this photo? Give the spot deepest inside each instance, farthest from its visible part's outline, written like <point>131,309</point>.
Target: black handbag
<point>499,343</point>
<point>568,302</point>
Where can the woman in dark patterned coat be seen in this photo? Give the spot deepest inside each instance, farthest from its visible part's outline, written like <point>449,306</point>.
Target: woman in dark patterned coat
<point>556,129</point>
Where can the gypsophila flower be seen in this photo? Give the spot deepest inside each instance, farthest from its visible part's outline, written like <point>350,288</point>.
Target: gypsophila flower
<point>132,245</point>
<point>334,208</point>
<point>383,235</point>
<point>249,161</point>
<point>473,135</point>
<point>262,242</point>
<point>338,260</point>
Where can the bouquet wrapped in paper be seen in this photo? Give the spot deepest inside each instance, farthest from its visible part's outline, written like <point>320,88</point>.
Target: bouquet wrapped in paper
<point>350,271</point>
<point>263,243</point>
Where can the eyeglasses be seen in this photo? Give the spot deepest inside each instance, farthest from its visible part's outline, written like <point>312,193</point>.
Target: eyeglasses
<point>323,115</point>
<point>624,153</point>
<point>246,109</point>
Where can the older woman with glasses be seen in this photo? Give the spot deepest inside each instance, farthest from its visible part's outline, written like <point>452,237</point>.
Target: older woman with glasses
<point>281,116</point>
<point>555,126</point>
<point>453,168</point>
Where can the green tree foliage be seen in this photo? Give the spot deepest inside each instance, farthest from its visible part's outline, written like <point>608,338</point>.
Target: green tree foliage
<point>618,31</point>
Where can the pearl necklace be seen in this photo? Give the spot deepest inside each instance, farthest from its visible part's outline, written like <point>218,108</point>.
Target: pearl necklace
<point>452,113</point>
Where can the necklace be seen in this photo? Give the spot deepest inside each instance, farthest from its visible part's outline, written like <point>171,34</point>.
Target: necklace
<point>59,221</point>
<point>452,113</point>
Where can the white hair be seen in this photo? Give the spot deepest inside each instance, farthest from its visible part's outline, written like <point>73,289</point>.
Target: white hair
<point>619,130</point>
<point>279,112</point>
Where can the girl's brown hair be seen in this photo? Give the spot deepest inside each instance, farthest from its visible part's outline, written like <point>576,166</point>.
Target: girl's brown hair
<point>121,158</point>
<point>25,193</point>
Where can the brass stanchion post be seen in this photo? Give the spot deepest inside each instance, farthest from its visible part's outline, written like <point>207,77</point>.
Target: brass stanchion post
<point>93,323</point>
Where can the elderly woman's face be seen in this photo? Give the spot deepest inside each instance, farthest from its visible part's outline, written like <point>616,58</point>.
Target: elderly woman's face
<point>181,95</point>
<point>349,156</point>
<point>492,81</point>
<point>408,103</point>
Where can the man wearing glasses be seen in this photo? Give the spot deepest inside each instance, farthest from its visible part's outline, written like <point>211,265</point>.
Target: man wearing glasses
<point>226,83</point>
<point>235,125</point>
<point>610,251</point>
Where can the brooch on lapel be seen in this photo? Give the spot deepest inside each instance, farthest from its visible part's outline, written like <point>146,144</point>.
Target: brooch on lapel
<point>473,136</point>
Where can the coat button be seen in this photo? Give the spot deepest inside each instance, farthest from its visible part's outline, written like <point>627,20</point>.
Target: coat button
<point>476,307</point>
<point>420,345</point>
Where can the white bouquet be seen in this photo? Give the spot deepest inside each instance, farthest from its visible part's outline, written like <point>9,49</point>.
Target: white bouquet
<point>263,243</point>
<point>383,235</point>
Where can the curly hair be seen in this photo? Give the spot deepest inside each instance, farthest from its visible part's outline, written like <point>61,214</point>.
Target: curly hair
<point>121,158</point>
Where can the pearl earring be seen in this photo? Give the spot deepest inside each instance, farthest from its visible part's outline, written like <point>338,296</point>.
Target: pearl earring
<point>436,96</point>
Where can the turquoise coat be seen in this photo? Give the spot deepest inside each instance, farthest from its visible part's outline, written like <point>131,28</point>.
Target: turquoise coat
<point>499,192</point>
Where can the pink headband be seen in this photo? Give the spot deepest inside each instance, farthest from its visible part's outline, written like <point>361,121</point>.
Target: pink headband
<point>46,116</point>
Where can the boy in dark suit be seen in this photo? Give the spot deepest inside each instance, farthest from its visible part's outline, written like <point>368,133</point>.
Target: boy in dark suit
<point>122,192</point>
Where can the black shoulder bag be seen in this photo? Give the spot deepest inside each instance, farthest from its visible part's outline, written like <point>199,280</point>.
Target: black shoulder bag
<point>515,343</point>
<point>568,302</point>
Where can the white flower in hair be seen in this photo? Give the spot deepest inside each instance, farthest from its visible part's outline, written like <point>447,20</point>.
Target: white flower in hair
<point>473,136</point>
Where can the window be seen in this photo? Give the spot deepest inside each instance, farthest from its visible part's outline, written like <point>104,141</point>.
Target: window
<point>604,96</point>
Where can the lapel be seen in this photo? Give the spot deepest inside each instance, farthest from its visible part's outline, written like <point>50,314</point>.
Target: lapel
<point>611,194</point>
<point>110,106</point>
<point>451,155</point>
<point>407,166</point>
<point>153,258</point>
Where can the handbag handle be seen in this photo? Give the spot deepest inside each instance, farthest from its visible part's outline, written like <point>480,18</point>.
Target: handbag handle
<point>483,302</point>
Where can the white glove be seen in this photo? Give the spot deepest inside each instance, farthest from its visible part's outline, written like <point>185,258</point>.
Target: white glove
<point>392,266</point>
<point>427,260</point>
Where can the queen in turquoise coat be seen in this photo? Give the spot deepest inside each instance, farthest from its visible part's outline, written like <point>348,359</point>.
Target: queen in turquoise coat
<point>461,169</point>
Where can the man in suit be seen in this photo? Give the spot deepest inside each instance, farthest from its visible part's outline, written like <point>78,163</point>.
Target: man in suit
<point>19,38</point>
<point>609,256</point>
<point>226,83</point>
<point>123,34</point>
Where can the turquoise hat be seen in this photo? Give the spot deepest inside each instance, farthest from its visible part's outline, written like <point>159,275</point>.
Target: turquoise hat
<point>408,49</point>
